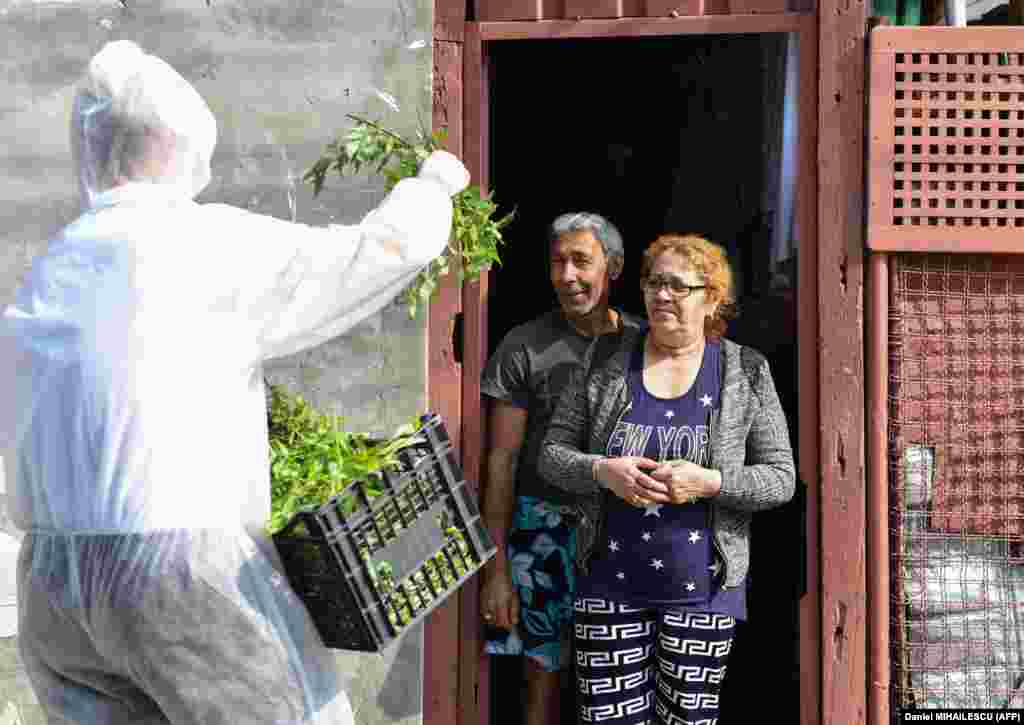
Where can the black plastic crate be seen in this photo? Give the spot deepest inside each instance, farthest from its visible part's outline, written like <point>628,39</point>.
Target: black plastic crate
<point>369,567</point>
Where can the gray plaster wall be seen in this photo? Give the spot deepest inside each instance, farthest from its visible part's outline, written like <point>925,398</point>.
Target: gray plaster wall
<point>279,76</point>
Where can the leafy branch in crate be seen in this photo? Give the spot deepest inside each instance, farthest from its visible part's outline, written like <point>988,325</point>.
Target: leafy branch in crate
<point>476,234</point>
<point>313,459</point>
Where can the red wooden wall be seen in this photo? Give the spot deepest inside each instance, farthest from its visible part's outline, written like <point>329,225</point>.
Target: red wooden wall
<point>842,33</point>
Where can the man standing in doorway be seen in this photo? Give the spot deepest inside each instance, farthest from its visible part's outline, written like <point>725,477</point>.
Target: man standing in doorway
<point>527,592</point>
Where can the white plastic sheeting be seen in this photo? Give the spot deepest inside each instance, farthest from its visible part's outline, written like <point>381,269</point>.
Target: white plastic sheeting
<point>963,606</point>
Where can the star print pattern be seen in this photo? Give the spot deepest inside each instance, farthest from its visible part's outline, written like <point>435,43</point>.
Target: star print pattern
<point>661,552</point>
<point>658,564</point>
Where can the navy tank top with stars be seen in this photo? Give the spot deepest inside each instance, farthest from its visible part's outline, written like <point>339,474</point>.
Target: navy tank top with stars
<point>663,555</point>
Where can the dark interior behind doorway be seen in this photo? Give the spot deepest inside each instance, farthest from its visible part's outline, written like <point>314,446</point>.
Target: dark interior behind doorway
<point>675,134</point>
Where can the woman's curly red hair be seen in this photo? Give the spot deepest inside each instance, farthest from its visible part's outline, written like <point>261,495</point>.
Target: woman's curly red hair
<point>710,261</point>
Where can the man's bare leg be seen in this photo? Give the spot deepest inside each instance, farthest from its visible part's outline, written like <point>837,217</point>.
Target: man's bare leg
<point>543,695</point>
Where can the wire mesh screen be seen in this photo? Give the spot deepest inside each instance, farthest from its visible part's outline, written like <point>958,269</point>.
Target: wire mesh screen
<point>956,436</point>
<point>947,138</point>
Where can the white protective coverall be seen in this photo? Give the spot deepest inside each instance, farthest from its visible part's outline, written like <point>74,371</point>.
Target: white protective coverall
<point>133,421</point>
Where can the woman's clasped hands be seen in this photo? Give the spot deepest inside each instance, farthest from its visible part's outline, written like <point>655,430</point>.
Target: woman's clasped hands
<point>641,481</point>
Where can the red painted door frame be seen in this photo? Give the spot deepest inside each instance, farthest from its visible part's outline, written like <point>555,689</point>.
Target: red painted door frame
<point>442,655</point>
<point>454,666</point>
<point>456,671</point>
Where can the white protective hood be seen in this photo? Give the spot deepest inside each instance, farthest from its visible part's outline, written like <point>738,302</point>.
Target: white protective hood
<point>130,101</point>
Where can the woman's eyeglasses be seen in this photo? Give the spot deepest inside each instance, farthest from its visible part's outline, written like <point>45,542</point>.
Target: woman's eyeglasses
<point>675,286</point>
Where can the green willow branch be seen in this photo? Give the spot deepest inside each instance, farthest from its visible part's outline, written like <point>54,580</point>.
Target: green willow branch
<point>476,236</point>
<point>367,122</point>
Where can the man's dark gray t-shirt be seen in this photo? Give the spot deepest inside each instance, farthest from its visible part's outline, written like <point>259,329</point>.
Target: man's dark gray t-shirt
<point>530,369</point>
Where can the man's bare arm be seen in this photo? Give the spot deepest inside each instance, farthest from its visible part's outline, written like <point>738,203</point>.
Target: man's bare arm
<point>507,433</point>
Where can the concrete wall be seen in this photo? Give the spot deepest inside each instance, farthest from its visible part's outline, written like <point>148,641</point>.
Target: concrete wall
<point>279,76</point>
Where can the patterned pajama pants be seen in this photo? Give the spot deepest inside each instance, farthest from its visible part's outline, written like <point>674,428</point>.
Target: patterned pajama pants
<point>649,666</point>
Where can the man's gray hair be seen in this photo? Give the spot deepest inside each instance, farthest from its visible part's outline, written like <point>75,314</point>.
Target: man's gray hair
<point>602,229</point>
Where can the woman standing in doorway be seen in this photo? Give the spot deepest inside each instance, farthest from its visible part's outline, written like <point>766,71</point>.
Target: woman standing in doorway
<point>675,438</point>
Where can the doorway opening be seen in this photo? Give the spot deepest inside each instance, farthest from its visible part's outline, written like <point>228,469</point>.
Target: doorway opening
<point>691,133</point>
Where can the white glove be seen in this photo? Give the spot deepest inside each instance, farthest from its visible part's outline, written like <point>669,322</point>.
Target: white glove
<point>445,169</point>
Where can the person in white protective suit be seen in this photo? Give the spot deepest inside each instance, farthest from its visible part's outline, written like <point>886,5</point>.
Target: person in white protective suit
<point>133,423</point>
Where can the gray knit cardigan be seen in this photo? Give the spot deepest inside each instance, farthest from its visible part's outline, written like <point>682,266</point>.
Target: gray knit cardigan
<point>749,445</point>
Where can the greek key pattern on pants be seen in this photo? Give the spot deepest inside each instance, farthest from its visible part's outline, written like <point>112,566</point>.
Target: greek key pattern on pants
<point>649,666</point>
<point>699,620</point>
<point>618,710</point>
<point>603,606</point>
<point>614,659</point>
<point>695,646</point>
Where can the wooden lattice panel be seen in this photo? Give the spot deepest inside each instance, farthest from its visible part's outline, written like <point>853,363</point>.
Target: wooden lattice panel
<point>946,151</point>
